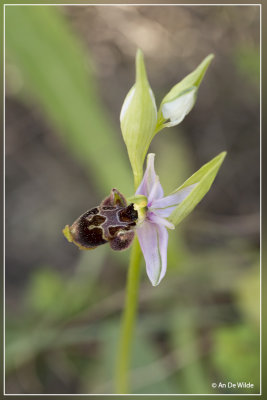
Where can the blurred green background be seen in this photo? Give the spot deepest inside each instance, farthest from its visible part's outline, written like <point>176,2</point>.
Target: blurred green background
<point>68,70</point>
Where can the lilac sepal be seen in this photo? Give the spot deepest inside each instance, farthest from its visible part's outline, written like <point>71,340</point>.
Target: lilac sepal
<point>156,219</point>
<point>153,240</point>
<point>166,205</point>
<point>152,233</point>
<point>150,181</point>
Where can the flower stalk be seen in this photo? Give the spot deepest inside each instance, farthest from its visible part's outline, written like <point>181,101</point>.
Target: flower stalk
<point>128,321</point>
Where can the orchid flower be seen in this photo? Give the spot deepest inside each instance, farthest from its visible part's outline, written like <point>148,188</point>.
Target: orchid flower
<point>153,223</point>
<point>148,213</point>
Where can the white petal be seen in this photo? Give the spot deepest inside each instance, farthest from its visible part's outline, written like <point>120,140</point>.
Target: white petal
<point>153,240</point>
<point>127,102</point>
<point>165,206</point>
<point>178,108</point>
<point>149,180</point>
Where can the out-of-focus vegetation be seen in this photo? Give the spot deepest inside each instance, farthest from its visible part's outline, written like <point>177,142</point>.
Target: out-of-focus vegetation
<point>67,72</point>
<point>56,69</point>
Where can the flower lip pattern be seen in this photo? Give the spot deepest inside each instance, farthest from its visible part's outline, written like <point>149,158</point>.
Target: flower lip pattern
<point>153,223</point>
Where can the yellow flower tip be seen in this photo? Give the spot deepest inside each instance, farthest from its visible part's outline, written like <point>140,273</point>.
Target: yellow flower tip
<point>67,233</point>
<point>69,236</point>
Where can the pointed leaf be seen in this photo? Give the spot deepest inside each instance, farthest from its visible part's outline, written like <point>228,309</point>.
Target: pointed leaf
<point>203,180</point>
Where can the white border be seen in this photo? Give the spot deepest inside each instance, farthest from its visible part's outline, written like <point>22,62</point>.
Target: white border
<point>133,4</point>
<point>260,200</point>
<point>126,5</point>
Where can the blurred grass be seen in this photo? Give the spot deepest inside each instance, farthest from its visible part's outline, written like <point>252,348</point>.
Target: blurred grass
<point>236,354</point>
<point>85,312</point>
<point>56,72</point>
<point>247,62</point>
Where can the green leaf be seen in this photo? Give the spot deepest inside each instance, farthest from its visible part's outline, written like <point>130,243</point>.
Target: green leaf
<point>203,180</point>
<point>181,98</point>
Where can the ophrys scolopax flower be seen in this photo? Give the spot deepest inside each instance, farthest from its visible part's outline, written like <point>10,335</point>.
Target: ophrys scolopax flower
<point>153,223</point>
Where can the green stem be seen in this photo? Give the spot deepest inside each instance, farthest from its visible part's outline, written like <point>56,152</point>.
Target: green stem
<point>128,321</point>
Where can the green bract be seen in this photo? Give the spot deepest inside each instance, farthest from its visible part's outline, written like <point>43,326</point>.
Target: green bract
<point>138,119</point>
<point>202,179</point>
<point>182,97</point>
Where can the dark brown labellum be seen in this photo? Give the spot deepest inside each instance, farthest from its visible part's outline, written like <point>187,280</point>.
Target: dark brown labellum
<point>113,221</point>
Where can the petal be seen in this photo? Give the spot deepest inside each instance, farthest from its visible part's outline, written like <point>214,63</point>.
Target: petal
<point>178,108</point>
<point>165,206</point>
<point>156,219</point>
<point>150,180</point>
<point>153,240</point>
<point>156,191</point>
